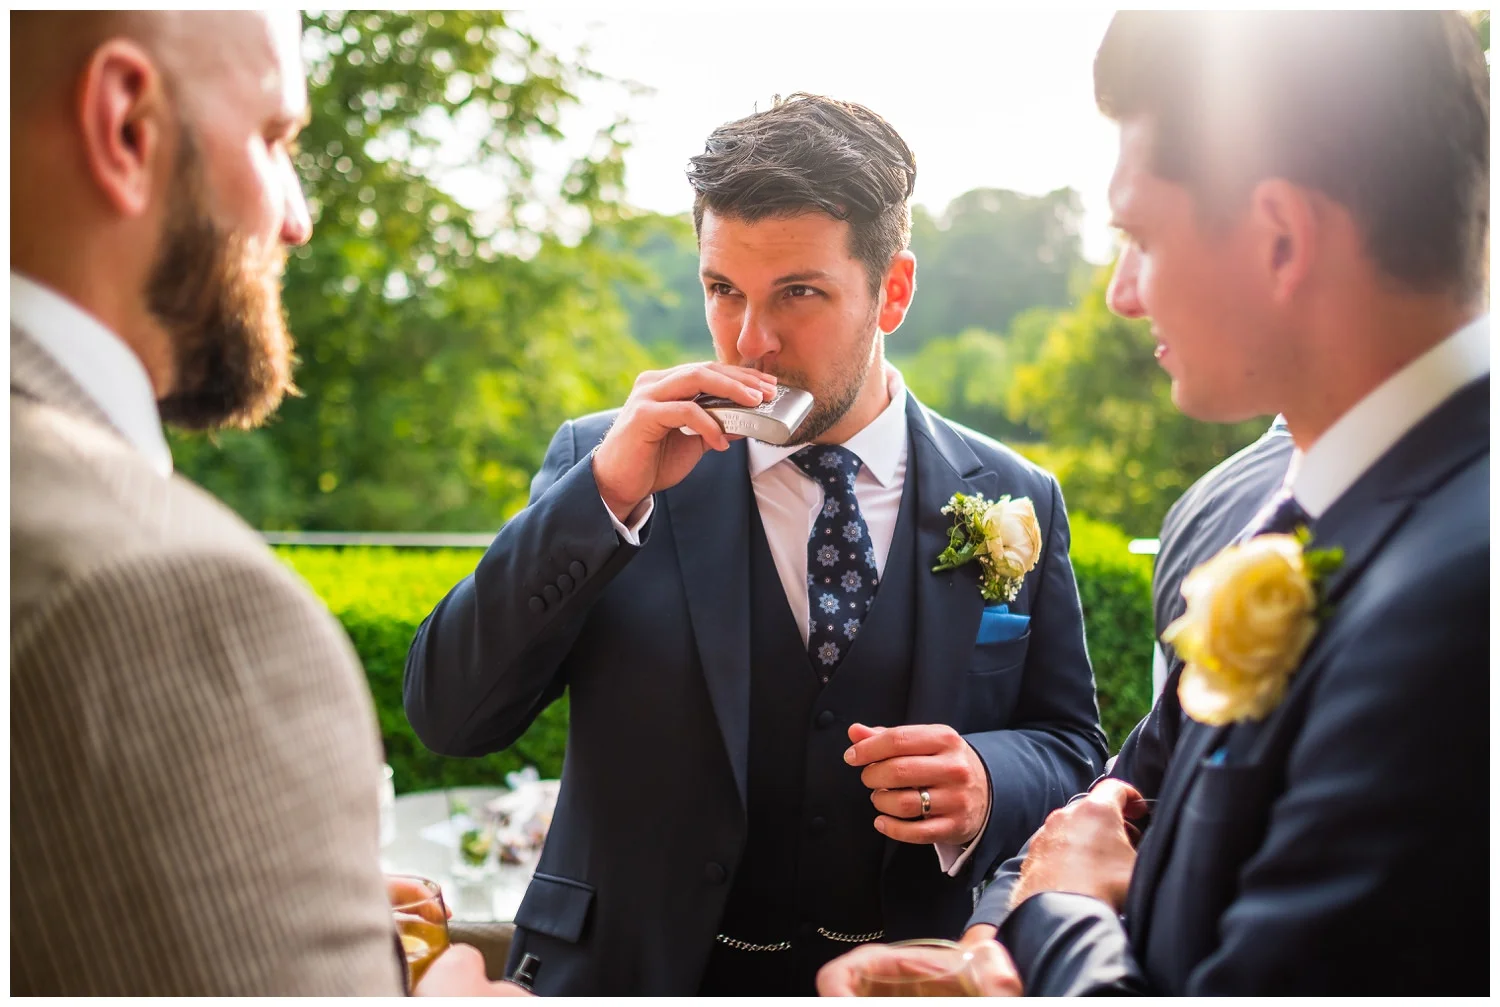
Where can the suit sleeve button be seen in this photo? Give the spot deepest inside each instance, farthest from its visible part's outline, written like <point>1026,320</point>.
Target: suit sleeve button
<point>825,719</point>
<point>578,570</point>
<point>565,583</point>
<point>552,594</point>
<point>714,873</point>
<point>537,605</point>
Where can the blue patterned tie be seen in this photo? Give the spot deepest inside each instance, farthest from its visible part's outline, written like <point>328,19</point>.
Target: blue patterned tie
<point>841,571</point>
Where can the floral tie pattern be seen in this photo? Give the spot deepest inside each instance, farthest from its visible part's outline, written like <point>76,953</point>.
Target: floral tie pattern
<point>841,572</point>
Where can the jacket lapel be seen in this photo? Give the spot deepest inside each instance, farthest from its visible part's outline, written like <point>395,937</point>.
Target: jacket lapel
<point>948,604</point>
<point>1193,745</point>
<point>710,513</point>
<point>1360,522</point>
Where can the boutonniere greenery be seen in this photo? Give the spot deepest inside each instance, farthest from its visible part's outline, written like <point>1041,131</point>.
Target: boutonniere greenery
<point>1002,537</point>
<point>1252,611</point>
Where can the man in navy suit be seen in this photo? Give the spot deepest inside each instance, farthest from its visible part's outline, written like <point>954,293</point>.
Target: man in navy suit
<point>1305,198</point>
<point>727,616</point>
<point>1212,514</point>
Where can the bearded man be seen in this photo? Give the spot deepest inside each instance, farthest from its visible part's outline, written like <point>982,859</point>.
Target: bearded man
<point>194,753</point>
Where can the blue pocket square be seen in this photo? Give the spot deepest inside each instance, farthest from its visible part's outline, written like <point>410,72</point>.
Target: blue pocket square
<point>998,625</point>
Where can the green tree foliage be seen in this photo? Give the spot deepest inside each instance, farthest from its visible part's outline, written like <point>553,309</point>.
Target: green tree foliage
<point>989,256</point>
<point>666,310</point>
<point>1103,407</point>
<point>438,352</point>
<point>966,378</point>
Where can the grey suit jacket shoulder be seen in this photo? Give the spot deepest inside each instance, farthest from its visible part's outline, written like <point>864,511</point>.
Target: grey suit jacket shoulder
<point>193,749</point>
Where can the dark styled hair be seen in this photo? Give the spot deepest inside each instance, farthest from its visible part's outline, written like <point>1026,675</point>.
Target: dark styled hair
<point>808,153</point>
<point>1385,112</point>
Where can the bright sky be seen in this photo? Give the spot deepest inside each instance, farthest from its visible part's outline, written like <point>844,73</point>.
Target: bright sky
<point>1000,98</point>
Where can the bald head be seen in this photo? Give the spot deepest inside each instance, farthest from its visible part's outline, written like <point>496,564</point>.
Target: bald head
<point>152,183</point>
<point>51,49</point>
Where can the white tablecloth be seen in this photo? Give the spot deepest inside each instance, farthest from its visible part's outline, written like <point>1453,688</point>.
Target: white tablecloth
<point>422,845</point>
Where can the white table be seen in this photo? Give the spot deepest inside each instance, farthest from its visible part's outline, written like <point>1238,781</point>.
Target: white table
<point>495,899</point>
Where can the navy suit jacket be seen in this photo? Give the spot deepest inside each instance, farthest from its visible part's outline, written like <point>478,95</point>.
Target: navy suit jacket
<point>1209,516</point>
<point>652,645</point>
<point>1340,845</point>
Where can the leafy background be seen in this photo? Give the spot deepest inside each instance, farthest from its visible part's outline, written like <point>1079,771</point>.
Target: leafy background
<point>441,345</point>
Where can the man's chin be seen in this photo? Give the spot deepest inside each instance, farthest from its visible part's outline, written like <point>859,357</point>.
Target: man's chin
<point>1211,406</point>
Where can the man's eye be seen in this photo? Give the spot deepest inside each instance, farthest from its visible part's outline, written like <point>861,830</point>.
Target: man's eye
<point>722,289</point>
<point>799,290</point>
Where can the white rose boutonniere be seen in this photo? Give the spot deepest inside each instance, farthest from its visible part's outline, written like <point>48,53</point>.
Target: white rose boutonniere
<point>1252,611</point>
<point>1002,536</point>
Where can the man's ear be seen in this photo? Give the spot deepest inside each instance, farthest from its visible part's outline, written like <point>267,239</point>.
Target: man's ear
<point>1286,226</point>
<point>898,288</point>
<point>121,114</point>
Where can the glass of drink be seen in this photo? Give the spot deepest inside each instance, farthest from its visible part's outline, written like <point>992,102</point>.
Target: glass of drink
<point>387,806</point>
<point>421,920</point>
<point>925,968</point>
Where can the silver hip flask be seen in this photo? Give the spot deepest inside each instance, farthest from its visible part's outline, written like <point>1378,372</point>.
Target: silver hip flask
<point>773,422</point>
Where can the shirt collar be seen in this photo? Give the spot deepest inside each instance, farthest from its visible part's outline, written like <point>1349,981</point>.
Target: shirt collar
<point>98,360</point>
<point>1363,434</point>
<point>880,446</point>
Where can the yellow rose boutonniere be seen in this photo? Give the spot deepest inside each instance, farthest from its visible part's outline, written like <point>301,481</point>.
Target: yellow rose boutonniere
<point>1252,611</point>
<point>1003,536</point>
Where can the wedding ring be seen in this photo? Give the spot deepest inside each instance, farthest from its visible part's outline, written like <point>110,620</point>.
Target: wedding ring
<point>926,803</point>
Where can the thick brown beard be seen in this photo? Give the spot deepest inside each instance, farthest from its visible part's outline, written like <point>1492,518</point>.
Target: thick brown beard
<point>832,404</point>
<point>220,302</point>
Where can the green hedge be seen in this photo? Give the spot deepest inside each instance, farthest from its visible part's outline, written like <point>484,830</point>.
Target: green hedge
<point>381,596</point>
<point>1115,588</point>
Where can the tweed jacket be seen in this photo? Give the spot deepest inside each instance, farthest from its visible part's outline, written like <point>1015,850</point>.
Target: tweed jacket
<point>194,756</point>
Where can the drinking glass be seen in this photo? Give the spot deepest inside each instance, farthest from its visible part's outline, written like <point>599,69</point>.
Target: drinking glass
<point>387,806</point>
<point>421,920</point>
<point>924,968</point>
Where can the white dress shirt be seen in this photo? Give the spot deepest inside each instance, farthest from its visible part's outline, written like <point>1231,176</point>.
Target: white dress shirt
<point>98,360</point>
<point>1359,438</point>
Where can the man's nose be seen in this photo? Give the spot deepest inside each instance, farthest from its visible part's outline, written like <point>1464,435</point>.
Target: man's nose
<point>756,340</point>
<point>296,222</point>
<point>1123,296</point>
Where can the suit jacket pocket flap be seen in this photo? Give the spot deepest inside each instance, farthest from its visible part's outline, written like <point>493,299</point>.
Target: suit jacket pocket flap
<point>557,907</point>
